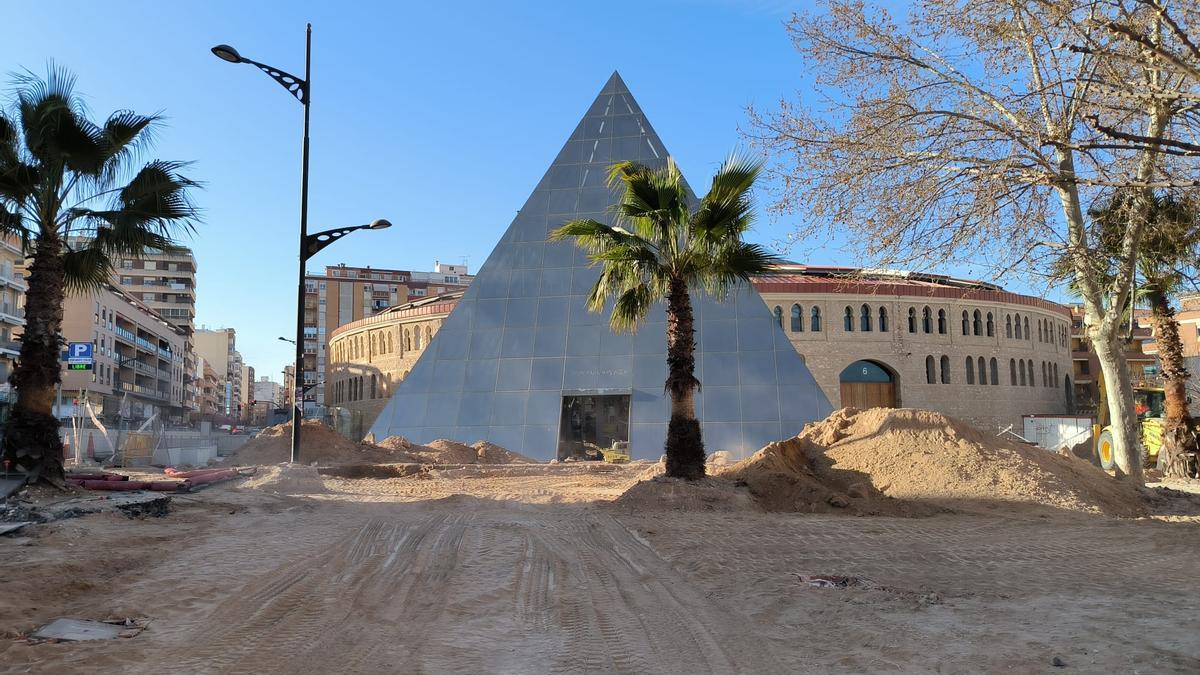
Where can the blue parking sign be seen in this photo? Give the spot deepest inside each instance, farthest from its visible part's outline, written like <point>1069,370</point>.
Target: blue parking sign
<point>79,352</point>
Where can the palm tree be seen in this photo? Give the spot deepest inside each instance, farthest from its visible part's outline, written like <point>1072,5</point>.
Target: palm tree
<point>1170,248</point>
<point>661,248</point>
<point>72,191</point>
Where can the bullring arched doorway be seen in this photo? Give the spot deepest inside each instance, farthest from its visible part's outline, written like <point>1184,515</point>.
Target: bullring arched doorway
<point>867,384</point>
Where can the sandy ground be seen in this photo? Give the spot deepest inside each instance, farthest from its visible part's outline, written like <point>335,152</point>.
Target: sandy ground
<point>520,569</point>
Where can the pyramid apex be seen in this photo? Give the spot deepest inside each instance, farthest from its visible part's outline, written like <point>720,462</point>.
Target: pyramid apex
<point>615,84</point>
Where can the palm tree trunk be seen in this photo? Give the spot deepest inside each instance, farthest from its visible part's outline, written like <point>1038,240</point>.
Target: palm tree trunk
<point>1177,439</point>
<point>684,447</point>
<point>31,439</point>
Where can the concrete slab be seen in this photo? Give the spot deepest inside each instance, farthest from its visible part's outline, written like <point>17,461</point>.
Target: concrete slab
<point>9,486</point>
<point>5,528</point>
<point>78,629</point>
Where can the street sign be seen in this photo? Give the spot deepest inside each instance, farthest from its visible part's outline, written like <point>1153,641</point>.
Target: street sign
<point>79,356</point>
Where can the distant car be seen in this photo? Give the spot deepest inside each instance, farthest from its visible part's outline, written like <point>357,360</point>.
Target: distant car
<point>225,427</point>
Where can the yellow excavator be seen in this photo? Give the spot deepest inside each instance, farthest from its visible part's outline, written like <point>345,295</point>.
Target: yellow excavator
<point>1148,402</point>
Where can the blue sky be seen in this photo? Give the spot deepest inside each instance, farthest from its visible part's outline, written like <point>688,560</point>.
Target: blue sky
<point>440,117</point>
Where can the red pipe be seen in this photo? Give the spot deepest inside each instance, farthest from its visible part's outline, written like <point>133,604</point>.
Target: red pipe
<point>176,473</point>
<point>96,475</point>
<point>203,479</point>
<point>130,485</point>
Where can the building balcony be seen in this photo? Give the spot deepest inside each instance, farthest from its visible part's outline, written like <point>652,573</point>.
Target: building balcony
<point>12,314</point>
<point>15,282</point>
<point>126,335</point>
<point>145,392</point>
<point>10,347</point>
<point>145,369</point>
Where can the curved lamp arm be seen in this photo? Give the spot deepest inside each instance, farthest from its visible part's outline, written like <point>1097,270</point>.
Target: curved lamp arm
<point>296,86</point>
<point>315,242</point>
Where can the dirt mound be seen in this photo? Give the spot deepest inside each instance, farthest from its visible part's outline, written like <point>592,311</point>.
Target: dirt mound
<point>673,494</point>
<point>926,459</point>
<point>443,451</point>
<point>794,476</point>
<point>318,443</point>
<point>490,453</point>
<point>286,480</point>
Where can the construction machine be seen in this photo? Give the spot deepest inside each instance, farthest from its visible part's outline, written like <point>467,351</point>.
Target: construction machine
<point>1149,403</point>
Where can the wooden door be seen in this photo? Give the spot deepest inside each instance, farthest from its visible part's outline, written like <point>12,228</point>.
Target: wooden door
<point>868,395</point>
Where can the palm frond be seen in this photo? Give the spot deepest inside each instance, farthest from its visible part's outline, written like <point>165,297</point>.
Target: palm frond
<point>86,269</point>
<point>9,140</point>
<point>631,308</point>
<point>731,264</point>
<point>125,134</point>
<point>55,123</point>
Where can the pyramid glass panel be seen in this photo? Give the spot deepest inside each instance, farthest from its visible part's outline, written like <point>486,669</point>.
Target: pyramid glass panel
<point>522,363</point>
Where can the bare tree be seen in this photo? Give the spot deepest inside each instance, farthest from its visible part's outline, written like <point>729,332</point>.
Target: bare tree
<point>962,135</point>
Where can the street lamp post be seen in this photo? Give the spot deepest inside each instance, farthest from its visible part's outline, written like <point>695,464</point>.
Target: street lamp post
<point>301,89</point>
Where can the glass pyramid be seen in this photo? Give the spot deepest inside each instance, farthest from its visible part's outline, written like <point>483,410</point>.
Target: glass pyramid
<point>520,343</point>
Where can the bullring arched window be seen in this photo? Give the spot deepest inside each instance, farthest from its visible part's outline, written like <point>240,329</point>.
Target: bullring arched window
<point>912,319</point>
<point>1055,374</point>
<point>1030,364</point>
<point>927,320</point>
<point>945,364</point>
<point>1040,338</point>
<point>982,370</point>
<point>995,368</point>
<point>1007,326</point>
<point>864,318</point>
<point>883,320</point>
<point>970,370</point>
<point>942,322</point>
<point>930,371</point>
<point>417,338</point>
<point>977,324</point>
<point>1012,372</point>
<point>848,320</point>
<point>372,385</point>
<point>1017,326</point>
<point>1026,331</point>
<point>407,340</point>
<point>1022,365</point>
<point>778,311</point>
<point>797,319</point>
<point>966,323</point>
<point>815,323</point>
<point>991,325</point>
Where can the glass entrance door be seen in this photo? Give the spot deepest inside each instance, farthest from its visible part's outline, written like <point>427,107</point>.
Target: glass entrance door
<point>592,422</point>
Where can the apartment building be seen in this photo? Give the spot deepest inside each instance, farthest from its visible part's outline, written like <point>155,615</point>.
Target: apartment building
<point>347,294</point>
<point>1140,356</point>
<point>166,283</point>
<point>219,348</point>
<point>139,357</point>
<point>12,306</point>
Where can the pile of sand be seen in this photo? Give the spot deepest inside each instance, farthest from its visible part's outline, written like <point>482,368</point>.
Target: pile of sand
<point>318,443</point>
<point>659,493</point>
<point>911,462</point>
<point>443,451</point>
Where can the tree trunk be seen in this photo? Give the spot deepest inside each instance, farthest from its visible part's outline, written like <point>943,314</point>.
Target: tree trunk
<point>1103,326</point>
<point>31,440</point>
<point>684,447</point>
<point>1123,420</point>
<point>1178,442</point>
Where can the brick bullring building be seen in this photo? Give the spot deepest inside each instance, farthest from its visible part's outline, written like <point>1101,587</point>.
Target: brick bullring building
<point>903,339</point>
<point>870,338</point>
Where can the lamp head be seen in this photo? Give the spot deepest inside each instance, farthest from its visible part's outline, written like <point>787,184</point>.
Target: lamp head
<point>380,224</point>
<point>227,53</point>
